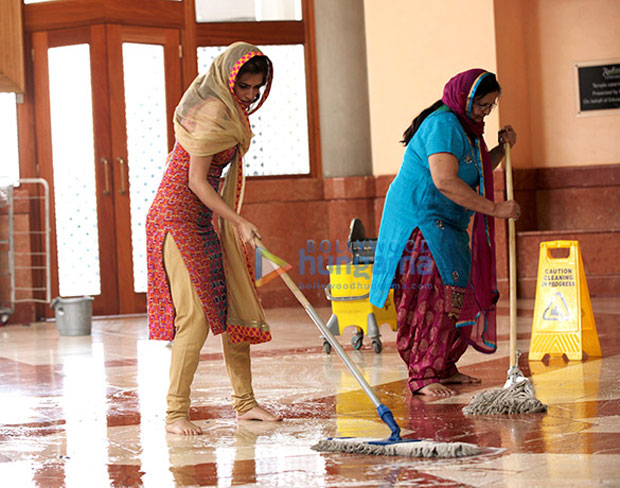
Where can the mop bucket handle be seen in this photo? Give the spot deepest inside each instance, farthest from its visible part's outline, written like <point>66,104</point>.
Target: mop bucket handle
<point>56,305</point>
<point>332,298</point>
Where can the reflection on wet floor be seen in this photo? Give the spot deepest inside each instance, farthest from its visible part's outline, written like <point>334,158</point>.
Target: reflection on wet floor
<point>89,411</point>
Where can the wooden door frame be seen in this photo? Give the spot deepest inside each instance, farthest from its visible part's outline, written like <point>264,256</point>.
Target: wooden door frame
<point>75,13</point>
<point>129,301</point>
<point>94,36</point>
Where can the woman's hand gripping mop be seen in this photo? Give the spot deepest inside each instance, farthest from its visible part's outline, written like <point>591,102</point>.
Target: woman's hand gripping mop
<point>394,445</point>
<point>517,395</point>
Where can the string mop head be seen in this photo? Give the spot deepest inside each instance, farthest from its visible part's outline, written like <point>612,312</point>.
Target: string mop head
<point>395,445</point>
<point>402,447</point>
<point>516,396</point>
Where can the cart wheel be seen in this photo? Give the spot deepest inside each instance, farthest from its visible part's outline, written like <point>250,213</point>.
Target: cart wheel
<point>327,347</point>
<point>357,339</point>
<point>377,346</point>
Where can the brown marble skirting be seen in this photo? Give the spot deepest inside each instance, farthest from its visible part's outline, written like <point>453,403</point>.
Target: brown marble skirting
<point>306,222</point>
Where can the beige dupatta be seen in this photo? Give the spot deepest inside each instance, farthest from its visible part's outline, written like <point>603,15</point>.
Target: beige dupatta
<point>210,119</point>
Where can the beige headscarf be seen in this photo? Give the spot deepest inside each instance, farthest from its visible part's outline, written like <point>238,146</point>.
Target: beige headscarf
<point>210,119</point>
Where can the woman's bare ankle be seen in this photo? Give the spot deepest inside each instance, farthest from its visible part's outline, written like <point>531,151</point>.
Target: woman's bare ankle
<point>183,427</point>
<point>259,413</point>
<point>436,390</point>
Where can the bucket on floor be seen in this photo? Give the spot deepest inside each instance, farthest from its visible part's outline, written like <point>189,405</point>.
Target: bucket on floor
<point>73,315</point>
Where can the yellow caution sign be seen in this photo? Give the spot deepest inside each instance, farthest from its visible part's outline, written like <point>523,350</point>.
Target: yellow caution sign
<point>563,319</point>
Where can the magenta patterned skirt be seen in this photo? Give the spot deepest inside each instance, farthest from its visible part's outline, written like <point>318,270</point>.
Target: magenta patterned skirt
<point>427,338</point>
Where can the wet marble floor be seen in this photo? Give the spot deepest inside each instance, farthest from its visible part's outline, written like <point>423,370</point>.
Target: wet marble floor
<point>89,412</point>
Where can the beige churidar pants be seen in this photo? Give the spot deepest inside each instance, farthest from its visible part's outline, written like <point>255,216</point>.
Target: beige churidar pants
<point>191,332</point>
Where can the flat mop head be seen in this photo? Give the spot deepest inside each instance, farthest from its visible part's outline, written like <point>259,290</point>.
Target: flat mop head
<point>518,397</point>
<point>403,447</point>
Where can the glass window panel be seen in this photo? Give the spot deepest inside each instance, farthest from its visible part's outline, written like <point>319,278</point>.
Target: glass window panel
<point>280,126</point>
<point>147,146</point>
<point>9,153</point>
<point>247,10</point>
<point>74,170</point>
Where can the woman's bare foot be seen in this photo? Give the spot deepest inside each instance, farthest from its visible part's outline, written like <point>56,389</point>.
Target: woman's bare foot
<point>436,390</point>
<point>459,378</point>
<point>259,413</point>
<point>183,427</point>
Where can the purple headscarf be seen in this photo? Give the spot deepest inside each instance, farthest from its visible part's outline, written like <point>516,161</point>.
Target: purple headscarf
<point>479,306</point>
<point>458,95</point>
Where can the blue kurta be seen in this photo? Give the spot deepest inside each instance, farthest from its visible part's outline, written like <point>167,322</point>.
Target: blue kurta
<point>413,201</point>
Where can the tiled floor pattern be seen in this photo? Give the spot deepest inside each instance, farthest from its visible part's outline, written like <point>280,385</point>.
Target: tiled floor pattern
<point>89,411</point>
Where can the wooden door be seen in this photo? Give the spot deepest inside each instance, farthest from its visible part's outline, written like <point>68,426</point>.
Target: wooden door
<point>145,85</point>
<point>91,148</point>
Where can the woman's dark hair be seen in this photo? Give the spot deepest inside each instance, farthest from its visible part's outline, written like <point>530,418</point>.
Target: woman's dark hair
<point>487,85</point>
<point>415,124</point>
<point>257,64</point>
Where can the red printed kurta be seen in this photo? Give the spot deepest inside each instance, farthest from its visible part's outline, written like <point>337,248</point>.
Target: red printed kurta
<point>176,210</point>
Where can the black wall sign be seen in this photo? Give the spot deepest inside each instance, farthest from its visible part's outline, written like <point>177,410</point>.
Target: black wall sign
<point>599,87</point>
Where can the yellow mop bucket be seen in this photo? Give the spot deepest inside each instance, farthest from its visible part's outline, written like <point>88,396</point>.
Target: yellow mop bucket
<point>348,291</point>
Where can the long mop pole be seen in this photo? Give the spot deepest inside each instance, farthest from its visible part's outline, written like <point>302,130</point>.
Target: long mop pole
<point>331,339</point>
<point>514,374</point>
<point>384,412</point>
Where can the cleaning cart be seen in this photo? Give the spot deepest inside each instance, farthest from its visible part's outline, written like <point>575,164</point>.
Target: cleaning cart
<point>348,291</point>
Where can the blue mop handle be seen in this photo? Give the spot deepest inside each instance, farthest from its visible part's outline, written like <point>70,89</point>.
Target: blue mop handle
<point>384,413</point>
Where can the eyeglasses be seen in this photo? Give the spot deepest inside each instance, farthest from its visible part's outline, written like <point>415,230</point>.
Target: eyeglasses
<point>486,106</point>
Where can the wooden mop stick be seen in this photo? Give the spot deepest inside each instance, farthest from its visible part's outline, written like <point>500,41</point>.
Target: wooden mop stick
<point>512,264</point>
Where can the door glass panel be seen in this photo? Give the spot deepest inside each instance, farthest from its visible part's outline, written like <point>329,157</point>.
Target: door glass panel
<point>147,136</point>
<point>247,10</point>
<point>280,126</point>
<point>9,155</point>
<point>74,170</point>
